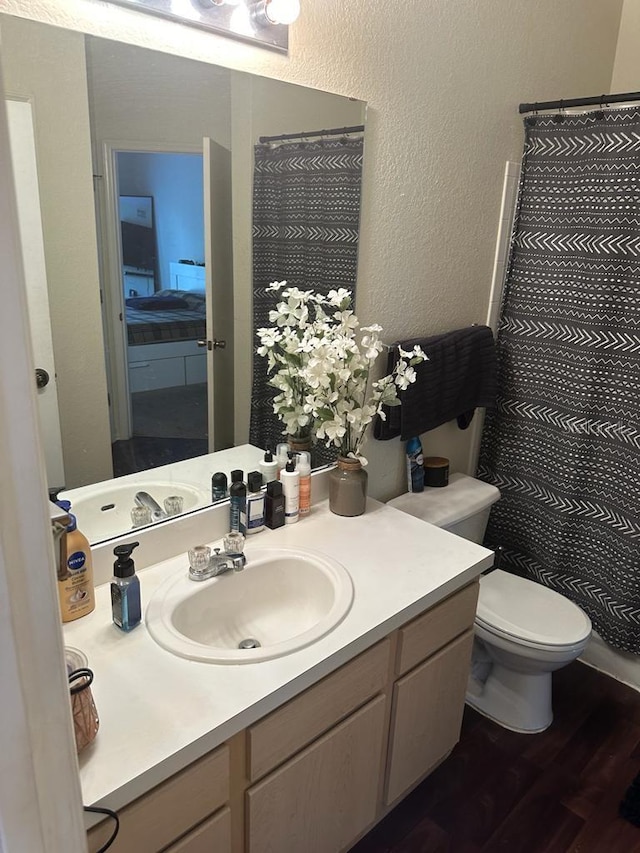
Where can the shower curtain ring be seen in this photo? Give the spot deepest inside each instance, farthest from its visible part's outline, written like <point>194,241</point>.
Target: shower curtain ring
<point>599,114</point>
<point>560,117</point>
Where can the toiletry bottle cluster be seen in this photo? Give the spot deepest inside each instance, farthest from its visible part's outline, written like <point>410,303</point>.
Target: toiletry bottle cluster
<point>286,498</point>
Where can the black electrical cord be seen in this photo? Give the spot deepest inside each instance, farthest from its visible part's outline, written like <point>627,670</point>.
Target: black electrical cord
<point>113,816</point>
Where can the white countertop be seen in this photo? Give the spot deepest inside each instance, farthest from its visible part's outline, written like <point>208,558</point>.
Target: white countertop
<point>159,712</point>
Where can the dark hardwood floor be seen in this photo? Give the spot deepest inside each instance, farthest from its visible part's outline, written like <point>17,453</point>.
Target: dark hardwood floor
<point>555,792</point>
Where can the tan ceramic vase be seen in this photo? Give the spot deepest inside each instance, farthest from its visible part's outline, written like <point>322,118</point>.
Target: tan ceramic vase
<point>299,443</point>
<point>348,487</point>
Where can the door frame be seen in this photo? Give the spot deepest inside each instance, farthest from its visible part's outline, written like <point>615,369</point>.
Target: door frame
<point>115,329</point>
<point>25,170</point>
<point>40,794</point>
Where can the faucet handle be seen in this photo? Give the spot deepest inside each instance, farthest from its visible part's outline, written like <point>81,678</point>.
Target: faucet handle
<point>233,543</point>
<point>199,560</point>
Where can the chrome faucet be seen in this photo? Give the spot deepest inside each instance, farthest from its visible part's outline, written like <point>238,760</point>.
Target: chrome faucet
<point>204,565</point>
<point>144,499</point>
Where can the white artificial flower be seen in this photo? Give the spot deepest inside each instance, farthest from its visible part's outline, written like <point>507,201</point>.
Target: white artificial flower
<point>319,361</point>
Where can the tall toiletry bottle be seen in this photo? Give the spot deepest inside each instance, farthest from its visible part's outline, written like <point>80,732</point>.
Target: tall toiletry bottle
<point>268,467</point>
<point>274,505</point>
<point>415,466</point>
<point>255,503</point>
<point>237,503</point>
<point>282,457</point>
<point>219,486</point>
<point>290,479</point>
<point>75,577</point>
<point>125,589</point>
<point>303,467</point>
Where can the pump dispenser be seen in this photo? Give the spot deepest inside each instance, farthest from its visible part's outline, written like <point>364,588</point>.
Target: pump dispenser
<point>268,467</point>
<point>290,479</point>
<point>125,589</point>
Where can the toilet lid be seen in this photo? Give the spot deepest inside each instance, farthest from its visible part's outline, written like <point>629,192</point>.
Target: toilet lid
<point>521,608</point>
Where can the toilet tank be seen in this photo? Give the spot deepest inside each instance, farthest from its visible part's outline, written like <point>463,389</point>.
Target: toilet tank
<point>462,507</point>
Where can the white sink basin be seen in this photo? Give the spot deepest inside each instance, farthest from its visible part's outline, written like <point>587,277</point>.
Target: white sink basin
<point>104,510</point>
<point>285,599</point>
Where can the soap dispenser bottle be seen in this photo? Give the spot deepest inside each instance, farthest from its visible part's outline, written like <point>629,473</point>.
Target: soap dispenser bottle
<point>125,589</point>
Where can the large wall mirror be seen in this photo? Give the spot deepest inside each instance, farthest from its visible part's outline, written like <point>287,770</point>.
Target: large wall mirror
<point>137,191</point>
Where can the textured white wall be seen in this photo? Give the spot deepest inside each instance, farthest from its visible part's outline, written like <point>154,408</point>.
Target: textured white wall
<point>443,81</point>
<point>626,71</point>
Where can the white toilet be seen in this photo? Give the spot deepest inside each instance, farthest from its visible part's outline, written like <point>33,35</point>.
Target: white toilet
<point>523,630</point>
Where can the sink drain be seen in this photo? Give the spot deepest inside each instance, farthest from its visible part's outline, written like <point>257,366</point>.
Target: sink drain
<point>249,643</point>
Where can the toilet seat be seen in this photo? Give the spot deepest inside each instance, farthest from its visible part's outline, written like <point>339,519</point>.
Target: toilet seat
<point>529,614</point>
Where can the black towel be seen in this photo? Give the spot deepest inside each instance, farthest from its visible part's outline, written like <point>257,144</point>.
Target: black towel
<point>460,375</point>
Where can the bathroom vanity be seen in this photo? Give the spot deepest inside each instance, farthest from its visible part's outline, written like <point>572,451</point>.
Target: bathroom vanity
<point>302,752</point>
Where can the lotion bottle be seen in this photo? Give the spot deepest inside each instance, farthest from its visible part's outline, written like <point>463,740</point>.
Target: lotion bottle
<point>268,467</point>
<point>75,575</point>
<point>290,479</point>
<point>125,589</point>
<point>303,466</point>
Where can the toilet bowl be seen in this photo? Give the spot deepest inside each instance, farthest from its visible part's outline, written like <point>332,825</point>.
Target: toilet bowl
<point>523,630</point>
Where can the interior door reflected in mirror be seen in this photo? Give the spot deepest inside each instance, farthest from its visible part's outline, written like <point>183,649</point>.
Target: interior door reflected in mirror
<point>119,135</point>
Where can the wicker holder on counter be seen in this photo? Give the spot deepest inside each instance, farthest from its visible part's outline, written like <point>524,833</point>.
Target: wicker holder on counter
<point>83,708</point>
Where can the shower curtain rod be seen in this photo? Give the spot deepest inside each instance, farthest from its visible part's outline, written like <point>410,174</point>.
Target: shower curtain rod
<point>334,131</point>
<point>597,101</point>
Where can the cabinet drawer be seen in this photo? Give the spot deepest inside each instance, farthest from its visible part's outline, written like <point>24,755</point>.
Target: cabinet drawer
<point>156,819</point>
<point>427,715</point>
<point>323,799</point>
<point>156,373</point>
<point>290,728</point>
<point>435,628</point>
<point>212,836</point>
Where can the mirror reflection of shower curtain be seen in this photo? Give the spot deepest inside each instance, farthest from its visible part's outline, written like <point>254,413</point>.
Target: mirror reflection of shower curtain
<point>306,210</point>
<point>563,444</point>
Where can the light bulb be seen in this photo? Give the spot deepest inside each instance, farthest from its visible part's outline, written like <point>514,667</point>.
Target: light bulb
<point>282,11</point>
<point>240,22</point>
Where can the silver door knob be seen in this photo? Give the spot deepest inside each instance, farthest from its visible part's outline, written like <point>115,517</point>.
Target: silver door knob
<point>214,344</point>
<point>42,377</point>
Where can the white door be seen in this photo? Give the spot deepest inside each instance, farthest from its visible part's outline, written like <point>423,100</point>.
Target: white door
<point>218,237</point>
<point>23,158</point>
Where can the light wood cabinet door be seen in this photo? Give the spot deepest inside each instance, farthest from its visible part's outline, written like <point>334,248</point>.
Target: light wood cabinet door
<point>321,800</point>
<point>427,714</point>
<point>212,836</point>
<point>289,729</point>
<point>152,822</point>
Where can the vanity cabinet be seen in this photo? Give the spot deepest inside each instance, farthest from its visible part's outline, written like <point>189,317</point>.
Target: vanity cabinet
<point>320,771</point>
<point>434,652</point>
<point>170,811</point>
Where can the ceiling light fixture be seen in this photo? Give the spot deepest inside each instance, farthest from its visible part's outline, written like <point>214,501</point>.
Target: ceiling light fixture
<point>265,22</point>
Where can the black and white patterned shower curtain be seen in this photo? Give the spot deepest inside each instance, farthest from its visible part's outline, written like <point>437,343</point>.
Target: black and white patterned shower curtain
<point>563,444</point>
<point>306,211</point>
